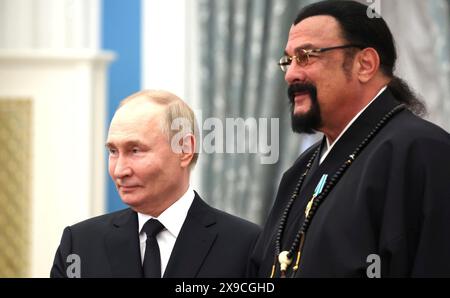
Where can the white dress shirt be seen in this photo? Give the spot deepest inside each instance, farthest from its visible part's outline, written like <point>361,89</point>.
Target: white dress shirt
<point>172,219</point>
<point>326,150</point>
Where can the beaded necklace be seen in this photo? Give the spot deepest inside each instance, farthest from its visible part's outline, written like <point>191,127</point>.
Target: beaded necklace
<point>285,258</point>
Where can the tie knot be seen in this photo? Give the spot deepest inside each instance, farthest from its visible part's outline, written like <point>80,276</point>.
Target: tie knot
<point>152,227</point>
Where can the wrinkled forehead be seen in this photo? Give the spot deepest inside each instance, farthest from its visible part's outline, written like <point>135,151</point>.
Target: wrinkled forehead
<point>316,31</point>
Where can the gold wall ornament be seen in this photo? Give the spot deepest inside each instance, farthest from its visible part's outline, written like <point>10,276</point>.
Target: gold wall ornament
<point>15,186</point>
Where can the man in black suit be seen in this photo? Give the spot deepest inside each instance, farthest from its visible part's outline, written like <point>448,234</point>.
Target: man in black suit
<point>150,163</point>
<point>372,199</point>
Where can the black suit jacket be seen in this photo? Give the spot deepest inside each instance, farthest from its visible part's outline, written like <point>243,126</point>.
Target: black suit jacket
<point>211,243</point>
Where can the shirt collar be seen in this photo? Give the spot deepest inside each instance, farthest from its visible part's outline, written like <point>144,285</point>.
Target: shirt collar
<point>329,146</point>
<point>173,217</point>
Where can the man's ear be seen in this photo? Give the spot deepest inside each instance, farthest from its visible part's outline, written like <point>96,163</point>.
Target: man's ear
<point>368,64</point>
<point>187,143</point>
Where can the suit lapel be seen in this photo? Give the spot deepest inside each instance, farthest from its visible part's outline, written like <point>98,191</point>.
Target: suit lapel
<point>194,241</point>
<point>122,246</point>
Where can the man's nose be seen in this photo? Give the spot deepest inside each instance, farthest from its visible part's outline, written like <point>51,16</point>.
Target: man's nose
<point>295,73</point>
<point>122,168</point>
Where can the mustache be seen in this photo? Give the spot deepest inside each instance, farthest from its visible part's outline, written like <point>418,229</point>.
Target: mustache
<point>301,88</point>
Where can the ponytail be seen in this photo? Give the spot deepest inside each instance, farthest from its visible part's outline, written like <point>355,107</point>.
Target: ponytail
<point>403,93</point>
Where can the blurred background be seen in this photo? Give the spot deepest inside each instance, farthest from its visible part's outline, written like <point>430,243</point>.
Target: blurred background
<point>66,64</point>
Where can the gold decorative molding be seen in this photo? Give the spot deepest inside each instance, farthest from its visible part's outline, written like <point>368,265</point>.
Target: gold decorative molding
<point>15,186</point>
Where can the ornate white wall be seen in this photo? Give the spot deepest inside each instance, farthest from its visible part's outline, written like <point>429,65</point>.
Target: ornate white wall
<point>49,52</point>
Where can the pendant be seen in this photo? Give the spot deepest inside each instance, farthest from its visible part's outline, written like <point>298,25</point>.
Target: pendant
<point>308,207</point>
<point>284,260</point>
<point>317,192</point>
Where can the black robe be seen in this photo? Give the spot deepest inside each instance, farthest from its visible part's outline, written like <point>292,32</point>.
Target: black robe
<point>393,201</point>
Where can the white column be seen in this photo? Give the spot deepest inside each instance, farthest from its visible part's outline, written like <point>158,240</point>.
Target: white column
<point>164,45</point>
<point>49,52</point>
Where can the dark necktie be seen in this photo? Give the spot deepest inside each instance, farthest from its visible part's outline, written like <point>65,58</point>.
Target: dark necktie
<point>152,257</point>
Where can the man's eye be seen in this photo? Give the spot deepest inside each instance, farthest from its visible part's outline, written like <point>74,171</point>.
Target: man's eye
<point>136,150</point>
<point>112,151</point>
